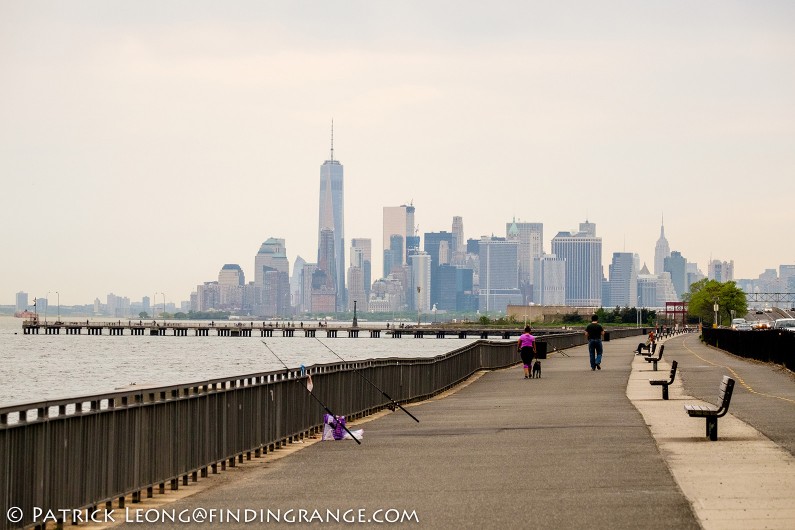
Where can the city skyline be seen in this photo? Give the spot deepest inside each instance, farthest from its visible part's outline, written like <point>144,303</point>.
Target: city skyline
<point>143,149</point>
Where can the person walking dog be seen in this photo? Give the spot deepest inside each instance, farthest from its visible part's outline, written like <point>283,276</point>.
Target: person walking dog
<point>527,349</point>
<point>594,332</point>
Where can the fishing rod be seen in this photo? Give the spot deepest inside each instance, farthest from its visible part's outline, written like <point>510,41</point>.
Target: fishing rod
<point>328,410</point>
<point>371,383</point>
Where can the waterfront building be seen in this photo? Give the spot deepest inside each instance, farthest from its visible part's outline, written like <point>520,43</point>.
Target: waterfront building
<point>231,283</point>
<point>676,265</point>
<point>499,274</point>
<point>394,258</point>
<point>386,295</point>
<point>661,251</point>
<point>275,296</point>
<point>647,288</point>
<point>420,275</point>
<point>324,285</point>
<point>722,271</point>
<point>296,285</point>
<point>459,243</point>
<point>399,220</point>
<point>21,301</point>
<point>307,273</point>
<point>208,297</point>
<point>623,280</point>
<point>437,245</point>
<point>530,237</point>
<point>694,274</point>
<point>549,280</point>
<point>365,245</point>
<point>582,252</point>
<point>330,217</point>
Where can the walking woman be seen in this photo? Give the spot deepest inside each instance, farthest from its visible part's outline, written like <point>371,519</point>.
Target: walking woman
<point>527,349</point>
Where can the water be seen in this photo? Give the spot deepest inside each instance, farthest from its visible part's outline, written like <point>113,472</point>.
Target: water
<point>41,367</point>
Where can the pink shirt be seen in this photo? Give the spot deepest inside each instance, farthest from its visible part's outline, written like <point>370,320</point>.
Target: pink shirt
<point>526,340</point>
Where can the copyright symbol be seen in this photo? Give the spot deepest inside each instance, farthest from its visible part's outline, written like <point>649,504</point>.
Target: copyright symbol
<point>14,514</point>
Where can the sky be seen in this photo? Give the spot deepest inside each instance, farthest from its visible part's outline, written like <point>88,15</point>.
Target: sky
<point>143,145</point>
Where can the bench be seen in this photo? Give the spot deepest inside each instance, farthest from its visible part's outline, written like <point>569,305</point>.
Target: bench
<point>665,382</point>
<point>650,348</point>
<point>654,360</point>
<point>712,414</point>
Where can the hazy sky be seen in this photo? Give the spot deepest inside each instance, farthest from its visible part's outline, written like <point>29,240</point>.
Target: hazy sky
<point>145,144</point>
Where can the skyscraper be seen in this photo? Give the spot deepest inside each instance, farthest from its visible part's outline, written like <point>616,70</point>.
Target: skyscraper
<point>530,237</point>
<point>623,280</point>
<point>459,243</point>
<point>676,264</point>
<point>722,271</point>
<point>583,254</point>
<point>272,278</point>
<point>499,274</point>
<point>324,288</point>
<point>330,217</point>
<point>420,264</point>
<point>399,220</point>
<point>549,280</point>
<point>661,251</point>
<point>436,242</point>
<point>366,246</point>
<point>231,282</point>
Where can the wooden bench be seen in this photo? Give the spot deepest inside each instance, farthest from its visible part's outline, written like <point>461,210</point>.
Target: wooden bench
<point>712,414</point>
<point>654,360</point>
<point>665,382</point>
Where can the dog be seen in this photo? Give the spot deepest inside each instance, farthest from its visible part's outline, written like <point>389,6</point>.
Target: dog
<point>536,370</point>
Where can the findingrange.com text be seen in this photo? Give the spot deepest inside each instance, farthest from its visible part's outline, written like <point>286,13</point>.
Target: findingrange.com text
<point>219,515</point>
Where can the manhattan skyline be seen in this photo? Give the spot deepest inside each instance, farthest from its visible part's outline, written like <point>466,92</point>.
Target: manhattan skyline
<point>145,148</point>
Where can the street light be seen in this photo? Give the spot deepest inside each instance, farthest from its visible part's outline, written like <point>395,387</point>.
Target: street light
<point>46,306</point>
<point>418,304</point>
<point>716,308</point>
<point>59,305</point>
<point>164,307</point>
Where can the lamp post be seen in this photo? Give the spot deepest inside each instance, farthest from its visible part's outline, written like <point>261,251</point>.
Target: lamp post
<point>418,304</point>
<point>355,321</point>
<point>46,306</point>
<point>154,310</point>
<point>716,308</point>
<point>164,308</point>
<point>59,305</point>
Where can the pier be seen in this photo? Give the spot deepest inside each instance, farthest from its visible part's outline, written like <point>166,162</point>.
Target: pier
<point>263,329</point>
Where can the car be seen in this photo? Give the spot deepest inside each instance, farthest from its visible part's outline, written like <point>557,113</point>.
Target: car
<point>743,326</point>
<point>759,312</point>
<point>737,321</point>
<point>787,324</point>
<point>761,324</point>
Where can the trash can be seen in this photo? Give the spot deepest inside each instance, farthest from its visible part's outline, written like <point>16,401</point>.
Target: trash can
<point>607,336</point>
<point>541,350</point>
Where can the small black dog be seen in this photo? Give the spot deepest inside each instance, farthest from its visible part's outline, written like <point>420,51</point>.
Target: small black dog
<point>536,370</point>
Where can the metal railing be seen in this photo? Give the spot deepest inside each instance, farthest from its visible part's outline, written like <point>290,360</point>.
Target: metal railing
<point>85,451</point>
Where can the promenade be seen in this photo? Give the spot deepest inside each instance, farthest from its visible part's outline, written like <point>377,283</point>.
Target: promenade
<point>575,449</point>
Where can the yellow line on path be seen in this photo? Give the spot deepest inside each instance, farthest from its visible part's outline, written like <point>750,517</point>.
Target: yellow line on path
<point>737,376</point>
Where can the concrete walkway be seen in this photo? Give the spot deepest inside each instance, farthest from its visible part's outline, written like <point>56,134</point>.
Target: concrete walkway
<point>574,449</point>
<point>743,480</point>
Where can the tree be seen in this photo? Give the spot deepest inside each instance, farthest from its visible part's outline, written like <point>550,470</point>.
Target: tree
<point>704,294</point>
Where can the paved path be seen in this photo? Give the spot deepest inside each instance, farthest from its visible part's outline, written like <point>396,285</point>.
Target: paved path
<point>575,449</point>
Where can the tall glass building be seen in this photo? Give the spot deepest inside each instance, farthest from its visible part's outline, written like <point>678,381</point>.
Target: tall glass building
<point>331,216</point>
<point>583,254</point>
<point>623,280</point>
<point>499,274</point>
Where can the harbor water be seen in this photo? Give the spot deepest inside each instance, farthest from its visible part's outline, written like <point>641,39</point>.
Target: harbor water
<point>43,367</point>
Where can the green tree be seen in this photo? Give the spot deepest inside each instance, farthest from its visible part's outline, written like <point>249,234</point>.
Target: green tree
<point>704,294</point>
